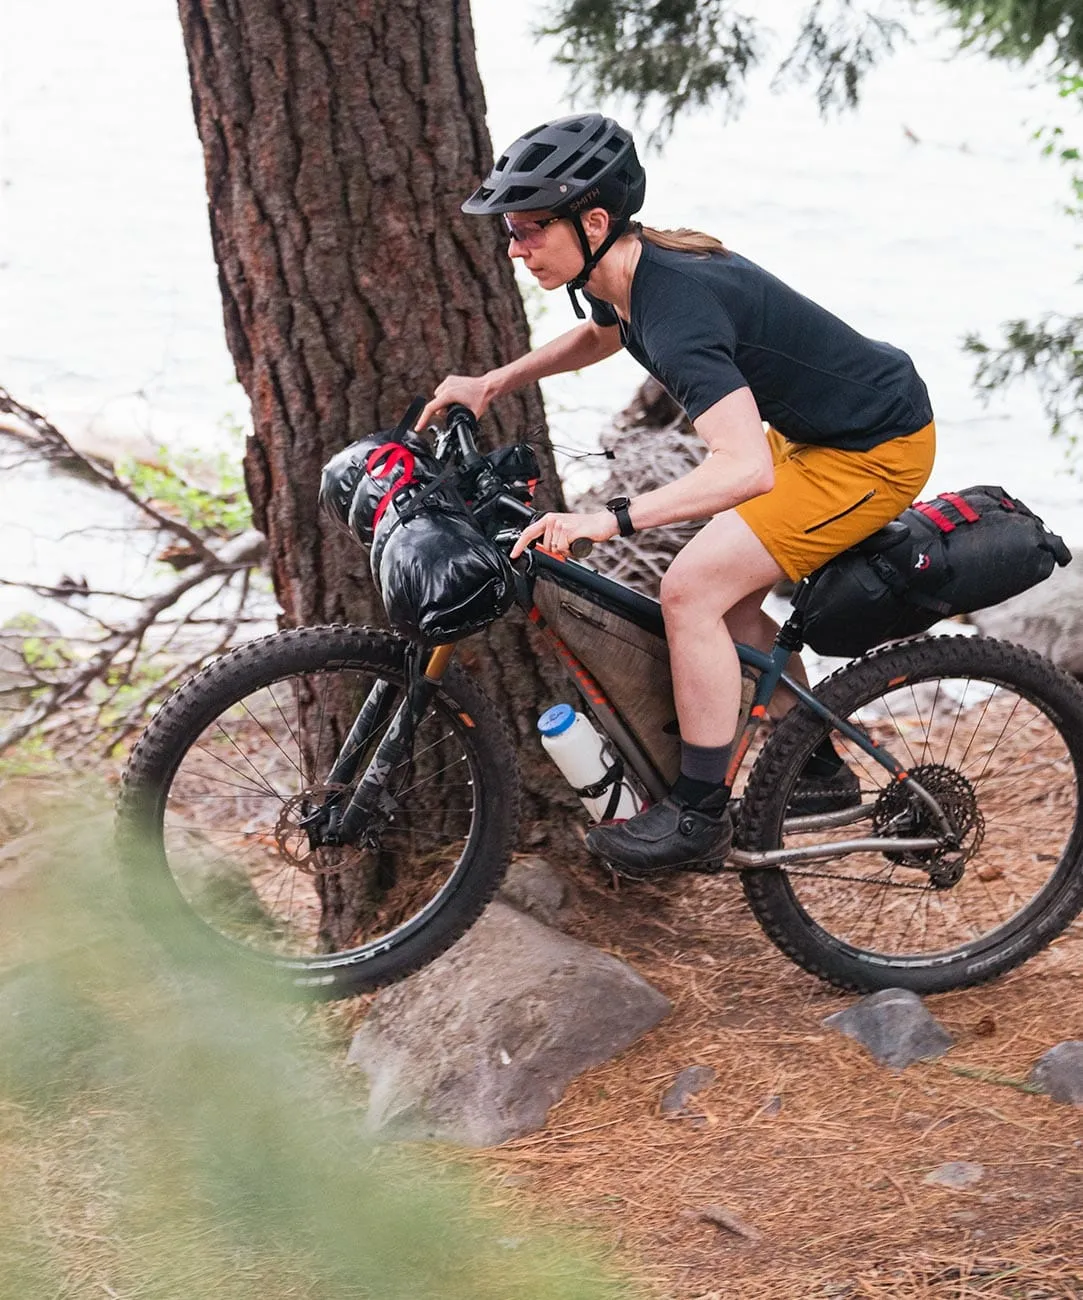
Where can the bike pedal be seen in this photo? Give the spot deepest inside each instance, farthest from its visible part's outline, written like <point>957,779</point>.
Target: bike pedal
<point>712,867</point>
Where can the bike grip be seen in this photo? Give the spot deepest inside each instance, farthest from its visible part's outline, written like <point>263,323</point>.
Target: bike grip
<point>457,411</point>
<point>580,548</point>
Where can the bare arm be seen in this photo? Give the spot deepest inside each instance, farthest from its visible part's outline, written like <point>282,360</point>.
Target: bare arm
<point>738,468</point>
<point>579,347</point>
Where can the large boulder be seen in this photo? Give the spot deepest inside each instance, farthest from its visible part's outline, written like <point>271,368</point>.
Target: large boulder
<point>478,1046</point>
<point>1047,618</point>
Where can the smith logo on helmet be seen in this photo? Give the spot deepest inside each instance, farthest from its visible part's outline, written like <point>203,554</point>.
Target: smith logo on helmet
<point>584,200</point>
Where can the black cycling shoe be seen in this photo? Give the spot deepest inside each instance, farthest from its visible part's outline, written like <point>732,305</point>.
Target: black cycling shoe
<point>824,794</point>
<point>669,836</point>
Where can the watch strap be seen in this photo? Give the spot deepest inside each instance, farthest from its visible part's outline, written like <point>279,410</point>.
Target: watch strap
<point>619,508</point>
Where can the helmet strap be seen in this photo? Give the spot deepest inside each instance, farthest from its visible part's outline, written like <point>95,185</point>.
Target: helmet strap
<point>591,259</point>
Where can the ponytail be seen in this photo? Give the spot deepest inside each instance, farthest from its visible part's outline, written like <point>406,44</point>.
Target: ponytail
<point>680,241</point>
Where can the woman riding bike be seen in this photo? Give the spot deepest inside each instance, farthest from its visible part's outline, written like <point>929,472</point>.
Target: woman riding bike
<point>849,443</point>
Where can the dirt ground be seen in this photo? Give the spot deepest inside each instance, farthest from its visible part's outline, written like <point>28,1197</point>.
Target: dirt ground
<point>801,1171</point>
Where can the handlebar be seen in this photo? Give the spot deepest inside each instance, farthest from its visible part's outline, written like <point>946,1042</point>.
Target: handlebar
<point>462,424</point>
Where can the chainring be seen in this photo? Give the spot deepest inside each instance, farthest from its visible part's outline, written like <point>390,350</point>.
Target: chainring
<point>901,811</point>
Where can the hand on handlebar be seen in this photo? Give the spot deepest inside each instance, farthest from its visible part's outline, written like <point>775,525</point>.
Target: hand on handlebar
<point>556,533</point>
<point>469,391</point>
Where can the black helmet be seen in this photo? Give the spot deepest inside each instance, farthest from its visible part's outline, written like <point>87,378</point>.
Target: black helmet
<point>564,167</point>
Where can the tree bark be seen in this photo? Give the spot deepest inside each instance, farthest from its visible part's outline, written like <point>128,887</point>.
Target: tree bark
<point>339,141</point>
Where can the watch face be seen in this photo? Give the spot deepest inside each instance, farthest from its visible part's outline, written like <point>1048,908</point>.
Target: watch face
<point>618,503</point>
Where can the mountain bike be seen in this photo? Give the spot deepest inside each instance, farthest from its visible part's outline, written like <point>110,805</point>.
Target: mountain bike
<point>334,806</point>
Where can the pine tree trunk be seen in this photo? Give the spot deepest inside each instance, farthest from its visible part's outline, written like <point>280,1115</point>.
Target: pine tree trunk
<point>339,141</point>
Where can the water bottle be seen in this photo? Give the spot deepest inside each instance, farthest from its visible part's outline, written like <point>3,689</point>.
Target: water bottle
<point>572,743</point>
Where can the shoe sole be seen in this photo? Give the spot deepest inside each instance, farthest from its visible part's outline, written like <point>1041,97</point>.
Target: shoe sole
<point>700,866</point>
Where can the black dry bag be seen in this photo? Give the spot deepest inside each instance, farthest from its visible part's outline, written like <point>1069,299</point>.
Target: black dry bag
<point>960,552</point>
<point>439,575</point>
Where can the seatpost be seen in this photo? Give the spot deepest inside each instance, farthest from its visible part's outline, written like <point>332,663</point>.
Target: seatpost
<point>791,635</point>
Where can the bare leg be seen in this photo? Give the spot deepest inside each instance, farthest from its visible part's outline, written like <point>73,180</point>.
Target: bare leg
<point>747,622</point>
<point>723,568</point>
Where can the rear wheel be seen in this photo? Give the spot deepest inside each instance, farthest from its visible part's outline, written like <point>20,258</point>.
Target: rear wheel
<point>219,791</point>
<point>995,733</point>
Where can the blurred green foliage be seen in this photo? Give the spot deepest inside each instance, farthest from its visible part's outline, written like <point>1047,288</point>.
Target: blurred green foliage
<point>205,492</point>
<point>163,1136</point>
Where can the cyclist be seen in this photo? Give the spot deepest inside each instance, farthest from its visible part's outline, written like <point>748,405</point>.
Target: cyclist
<point>848,443</point>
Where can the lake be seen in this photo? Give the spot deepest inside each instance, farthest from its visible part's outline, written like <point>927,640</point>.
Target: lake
<point>927,214</point>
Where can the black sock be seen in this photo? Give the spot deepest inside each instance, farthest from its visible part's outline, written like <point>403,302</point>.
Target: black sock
<point>824,761</point>
<point>703,774</point>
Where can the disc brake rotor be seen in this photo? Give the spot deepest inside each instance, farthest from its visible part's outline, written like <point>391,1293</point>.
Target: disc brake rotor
<point>293,841</point>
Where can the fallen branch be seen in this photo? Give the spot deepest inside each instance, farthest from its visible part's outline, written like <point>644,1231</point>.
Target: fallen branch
<point>239,553</point>
<point>652,443</point>
<point>78,684</point>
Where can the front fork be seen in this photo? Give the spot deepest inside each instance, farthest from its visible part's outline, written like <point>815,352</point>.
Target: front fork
<point>333,823</point>
<point>371,796</point>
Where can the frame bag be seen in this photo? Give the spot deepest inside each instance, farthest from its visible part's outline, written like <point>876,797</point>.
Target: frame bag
<point>961,552</point>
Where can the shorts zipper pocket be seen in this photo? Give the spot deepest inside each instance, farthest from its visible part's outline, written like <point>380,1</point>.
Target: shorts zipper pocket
<point>842,513</point>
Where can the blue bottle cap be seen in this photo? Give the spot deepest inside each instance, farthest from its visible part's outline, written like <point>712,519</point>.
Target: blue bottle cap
<point>557,719</point>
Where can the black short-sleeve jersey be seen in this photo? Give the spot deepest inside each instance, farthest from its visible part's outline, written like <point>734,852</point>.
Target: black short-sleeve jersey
<point>705,326</point>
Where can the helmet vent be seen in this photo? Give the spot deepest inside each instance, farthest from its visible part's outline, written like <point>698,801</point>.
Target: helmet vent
<point>589,167</point>
<point>516,193</point>
<point>534,157</point>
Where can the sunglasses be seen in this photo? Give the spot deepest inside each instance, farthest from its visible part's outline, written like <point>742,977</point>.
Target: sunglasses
<point>530,233</point>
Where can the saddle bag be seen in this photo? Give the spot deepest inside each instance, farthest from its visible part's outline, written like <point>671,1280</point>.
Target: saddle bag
<point>960,552</point>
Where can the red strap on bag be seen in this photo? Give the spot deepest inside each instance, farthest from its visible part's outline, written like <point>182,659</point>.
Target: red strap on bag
<point>970,515</point>
<point>389,457</point>
<point>935,516</point>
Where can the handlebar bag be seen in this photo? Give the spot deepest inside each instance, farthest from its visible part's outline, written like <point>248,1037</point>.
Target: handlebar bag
<point>961,552</point>
<point>439,576</point>
<point>357,479</point>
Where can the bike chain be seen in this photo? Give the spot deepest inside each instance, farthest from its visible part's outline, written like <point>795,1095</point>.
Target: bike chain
<point>856,880</point>
<point>833,875</point>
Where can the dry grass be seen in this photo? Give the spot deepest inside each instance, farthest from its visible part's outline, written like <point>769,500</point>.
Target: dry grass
<point>819,1151</point>
<point>814,1154</point>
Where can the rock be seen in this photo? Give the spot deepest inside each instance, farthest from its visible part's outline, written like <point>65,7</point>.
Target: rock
<point>476,1048</point>
<point>535,888</point>
<point>895,1027</point>
<point>1059,1072</point>
<point>692,1079</point>
<point>956,1174</point>
<point>1047,618</point>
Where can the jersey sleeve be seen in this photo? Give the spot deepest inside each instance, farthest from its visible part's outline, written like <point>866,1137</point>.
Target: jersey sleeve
<point>601,313</point>
<point>691,346</point>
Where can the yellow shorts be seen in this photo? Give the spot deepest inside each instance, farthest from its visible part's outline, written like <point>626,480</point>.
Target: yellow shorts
<point>826,499</point>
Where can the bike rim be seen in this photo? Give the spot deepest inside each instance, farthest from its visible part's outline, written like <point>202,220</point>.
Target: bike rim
<point>242,863</point>
<point>996,756</point>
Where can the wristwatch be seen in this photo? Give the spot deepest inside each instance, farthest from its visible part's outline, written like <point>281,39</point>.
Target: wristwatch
<point>619,507</point>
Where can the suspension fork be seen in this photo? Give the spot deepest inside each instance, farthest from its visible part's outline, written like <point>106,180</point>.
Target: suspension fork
<point>371,795</point>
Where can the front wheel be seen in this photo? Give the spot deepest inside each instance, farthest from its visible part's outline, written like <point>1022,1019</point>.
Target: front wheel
<point>995,733</point>
<point>221,793</point>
